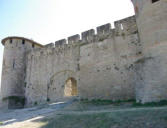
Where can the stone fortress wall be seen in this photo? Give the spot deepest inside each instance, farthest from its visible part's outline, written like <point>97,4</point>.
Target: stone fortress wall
<point>102,64</point>
<point>125,62</point>
<point>151,82</point>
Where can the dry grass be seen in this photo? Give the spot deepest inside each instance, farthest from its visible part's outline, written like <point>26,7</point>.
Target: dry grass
<point>118,119</point>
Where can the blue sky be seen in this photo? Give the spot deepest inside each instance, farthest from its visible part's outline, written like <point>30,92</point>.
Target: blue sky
<point>46,21</point>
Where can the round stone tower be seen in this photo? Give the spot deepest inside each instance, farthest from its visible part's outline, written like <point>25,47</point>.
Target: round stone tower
<point>151,78</point>
<point>14,70</point>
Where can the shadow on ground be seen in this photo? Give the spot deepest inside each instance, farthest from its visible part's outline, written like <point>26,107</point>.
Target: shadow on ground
<point>74,114</point>
<point>20,115</point>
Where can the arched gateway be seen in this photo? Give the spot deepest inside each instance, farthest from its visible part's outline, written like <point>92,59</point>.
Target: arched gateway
<point>70,87</point>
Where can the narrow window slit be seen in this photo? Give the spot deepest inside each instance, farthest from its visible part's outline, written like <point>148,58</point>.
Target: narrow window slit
<point>23,41</point>
<point>13,64</point>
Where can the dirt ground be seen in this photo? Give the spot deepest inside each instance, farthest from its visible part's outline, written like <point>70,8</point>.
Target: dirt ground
<point>80,115</point>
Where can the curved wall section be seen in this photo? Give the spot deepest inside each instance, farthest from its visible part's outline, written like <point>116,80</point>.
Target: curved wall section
<point>13,71</point>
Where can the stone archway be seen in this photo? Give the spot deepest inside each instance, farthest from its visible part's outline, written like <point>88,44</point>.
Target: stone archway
<point>70,87</point>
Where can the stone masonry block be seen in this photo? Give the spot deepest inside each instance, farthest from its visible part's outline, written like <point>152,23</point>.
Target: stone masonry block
<point>73,39</point>
<point>104,29</point>
<point>60,42</point>
<point>87,36</point>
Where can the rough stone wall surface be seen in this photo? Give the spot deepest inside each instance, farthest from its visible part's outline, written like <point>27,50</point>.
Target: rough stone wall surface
<point>14,66</point>
<point>151,69</point>
<point>125,62</point>
<point>47,71</point>
<point>151,76</point>
<point>151,22</point>
<point>101,64</point>
<point>106,69</point>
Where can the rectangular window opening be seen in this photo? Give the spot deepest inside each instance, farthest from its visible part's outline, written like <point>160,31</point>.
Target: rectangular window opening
<point>153,1</point>
<point>33,45</point>
<point>23,41</point>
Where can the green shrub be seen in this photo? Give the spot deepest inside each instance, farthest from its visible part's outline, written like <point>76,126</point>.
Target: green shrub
<point>151,104</point>
<point>106,102</point>
<point>1,123</point>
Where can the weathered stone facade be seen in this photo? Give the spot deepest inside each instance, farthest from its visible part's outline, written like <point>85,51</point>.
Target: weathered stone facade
<point>14,69</point>
<point>125,62</point>
<point>151,82</point>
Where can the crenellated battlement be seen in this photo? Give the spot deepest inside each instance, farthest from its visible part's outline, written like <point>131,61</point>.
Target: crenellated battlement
<point>122,27</point>
<point>88,35</point>
<point>51,45</point>
<point>60,47</point>
<point>102,53</point>
<point>126,26</point>
<point>60,42</point>
<point>104,29</point>
<point>73,39</point>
